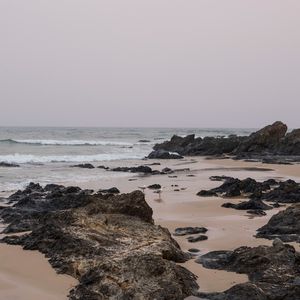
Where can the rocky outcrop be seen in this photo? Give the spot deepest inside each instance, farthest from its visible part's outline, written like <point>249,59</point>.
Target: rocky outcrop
<point>273,272</point>
<point>190,145</point>
<point>108,242</point>
<point>272,144</point>
<point>284,225</point>
<point>263,140</point>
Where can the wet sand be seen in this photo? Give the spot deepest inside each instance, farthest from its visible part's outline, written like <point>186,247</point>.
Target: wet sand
<point>27,275</point>
<point>227,228</point>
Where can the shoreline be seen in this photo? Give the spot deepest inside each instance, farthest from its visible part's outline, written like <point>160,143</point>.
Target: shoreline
<point>175,209</point>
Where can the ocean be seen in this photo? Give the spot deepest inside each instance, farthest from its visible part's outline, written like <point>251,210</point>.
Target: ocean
<point>45,154</point>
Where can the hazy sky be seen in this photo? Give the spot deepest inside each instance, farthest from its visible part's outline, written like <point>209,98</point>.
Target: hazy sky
<point>194,63</point>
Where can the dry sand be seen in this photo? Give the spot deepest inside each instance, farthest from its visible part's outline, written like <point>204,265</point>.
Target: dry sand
<point>28,274</point>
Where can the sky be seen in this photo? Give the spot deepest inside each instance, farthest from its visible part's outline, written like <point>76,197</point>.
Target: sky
<point>155,63</point>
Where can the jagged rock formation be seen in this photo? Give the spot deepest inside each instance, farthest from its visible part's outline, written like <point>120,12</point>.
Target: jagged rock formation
<point>271,143</point>
<point>273,272</point>
<point>108,242</point>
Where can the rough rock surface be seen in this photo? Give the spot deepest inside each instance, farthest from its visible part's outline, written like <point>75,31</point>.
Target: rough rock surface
<point>272,144</point>
<point>273,272</point>
<point>108,242</point>
<point>285,225</point>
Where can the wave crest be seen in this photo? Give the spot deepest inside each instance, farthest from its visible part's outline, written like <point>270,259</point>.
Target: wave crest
<point>66,142</point>
<point>35,159</point>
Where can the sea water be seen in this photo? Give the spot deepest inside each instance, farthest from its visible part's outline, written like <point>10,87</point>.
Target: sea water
<point>45,154</point>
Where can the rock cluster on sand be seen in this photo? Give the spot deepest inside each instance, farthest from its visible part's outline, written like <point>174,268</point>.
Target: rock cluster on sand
<point>108,242</point>
<point>273,272</point>
<point>270,190</point>
<point>272,143</point>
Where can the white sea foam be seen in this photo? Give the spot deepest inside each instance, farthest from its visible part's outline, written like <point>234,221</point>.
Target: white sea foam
<point>29,158</point>
<point>67,142</point>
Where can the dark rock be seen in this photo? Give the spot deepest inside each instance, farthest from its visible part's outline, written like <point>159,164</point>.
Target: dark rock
<point>83,166</point>
<point>219,178</point>
<point>8,165</point>
<point>154,186</point>
<point>112,190</point>
<point>198,238</point>
<point>189,230</point>
<point>272,272</point>
<point>108,242</point>
<point>161,154</point>
<point>194,250</point>
<point>263,140</point>
<point>205,193</point>
<point>144,141</point>
<point>270,190</point>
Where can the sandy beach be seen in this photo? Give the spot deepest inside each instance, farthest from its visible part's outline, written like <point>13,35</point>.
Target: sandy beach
<point>28,275</point>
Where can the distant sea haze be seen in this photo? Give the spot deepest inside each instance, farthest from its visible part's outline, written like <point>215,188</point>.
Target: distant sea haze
<point>45,154</point>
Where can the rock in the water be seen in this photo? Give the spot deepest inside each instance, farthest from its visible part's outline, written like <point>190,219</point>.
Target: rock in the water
<point>161,154</point>
<point>272,272</point>
<point>144,141</point>
<point>8,165</point>
<point>83,166</point>
<point>189,230</point>
<point>108,242</point>
<point>103,167</point>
